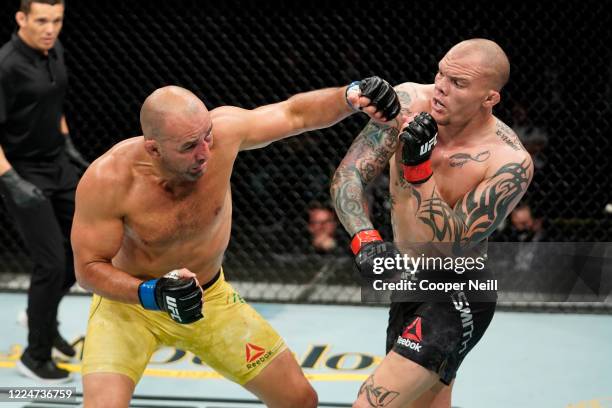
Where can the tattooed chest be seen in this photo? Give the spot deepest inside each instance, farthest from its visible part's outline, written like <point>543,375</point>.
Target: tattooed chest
<point>457,172</point>
<point>443,159</point>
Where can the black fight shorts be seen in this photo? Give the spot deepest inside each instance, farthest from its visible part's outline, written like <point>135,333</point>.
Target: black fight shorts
<point>438,335</point>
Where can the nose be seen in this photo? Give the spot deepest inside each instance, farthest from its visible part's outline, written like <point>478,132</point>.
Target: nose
<point>49,28</point>
<point>441,85</point>
<point>202,152</point>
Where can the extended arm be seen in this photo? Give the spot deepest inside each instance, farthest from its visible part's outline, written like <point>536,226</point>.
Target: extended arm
<point>317,109</point>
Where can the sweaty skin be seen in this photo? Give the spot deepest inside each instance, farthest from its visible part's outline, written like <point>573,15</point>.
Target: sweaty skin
<point>162,201</point>
<point>441,210</point>
<point>480,173</point>
<point>480,168</point>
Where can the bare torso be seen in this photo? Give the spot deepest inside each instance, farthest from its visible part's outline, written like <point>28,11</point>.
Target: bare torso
<point>163,230</point>
<point>457,170</point>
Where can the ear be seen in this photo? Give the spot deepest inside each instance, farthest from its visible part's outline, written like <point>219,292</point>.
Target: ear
<point>21,18</point>
<point>152,148</point>
<point>492,99</point>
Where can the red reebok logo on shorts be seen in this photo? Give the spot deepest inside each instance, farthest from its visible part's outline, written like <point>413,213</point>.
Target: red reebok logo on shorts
<point>253,352</point>
<point>413,331</point>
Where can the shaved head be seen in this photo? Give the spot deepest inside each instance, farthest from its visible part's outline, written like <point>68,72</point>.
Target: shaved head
<point>167,109</point>
<point>177,130</point>
<point>493,60</point>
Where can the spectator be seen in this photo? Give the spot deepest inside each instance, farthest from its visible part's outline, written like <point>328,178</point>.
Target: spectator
<point>527,230</point>
<point>525,226</point>
<point>322,226</point>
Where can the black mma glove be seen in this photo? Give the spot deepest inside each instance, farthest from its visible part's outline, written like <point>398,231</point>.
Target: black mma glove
<point>382,96</point>
<point>368,247</point>
<point>419,139</point>
<point>23,193</point>
<point>74,155</point>
<point>180,298</point>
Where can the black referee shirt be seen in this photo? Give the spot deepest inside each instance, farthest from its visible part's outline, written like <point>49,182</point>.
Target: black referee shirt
<point>32,89</point>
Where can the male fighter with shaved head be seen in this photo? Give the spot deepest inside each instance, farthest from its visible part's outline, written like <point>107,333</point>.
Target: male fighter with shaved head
<point>455,191</point>
<point>153,219</point>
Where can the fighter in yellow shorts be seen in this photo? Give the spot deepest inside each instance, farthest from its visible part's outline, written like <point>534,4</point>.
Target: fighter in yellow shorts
<point>233,338</point>
<point>152,222</point>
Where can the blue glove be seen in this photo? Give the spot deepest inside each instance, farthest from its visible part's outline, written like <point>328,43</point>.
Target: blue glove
<point>180,298</point>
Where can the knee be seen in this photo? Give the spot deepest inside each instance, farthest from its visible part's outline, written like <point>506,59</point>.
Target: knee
<point>104,401</point>
<point>306,398</point>
<point>96,394</point>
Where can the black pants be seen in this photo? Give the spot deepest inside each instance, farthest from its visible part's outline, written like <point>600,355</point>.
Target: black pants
<point>45,230</point>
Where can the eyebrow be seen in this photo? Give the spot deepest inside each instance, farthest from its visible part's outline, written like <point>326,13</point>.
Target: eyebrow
<point>459,79</point>
<point>40,19</point>
<point>190,142</point>
<point>453,77</point>
<point>209,131</point>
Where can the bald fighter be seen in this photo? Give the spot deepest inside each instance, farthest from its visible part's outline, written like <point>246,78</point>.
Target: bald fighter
<point>152,222</point>
<point>454,188</point>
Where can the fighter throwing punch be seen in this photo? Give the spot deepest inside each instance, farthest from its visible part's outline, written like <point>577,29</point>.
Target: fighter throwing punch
<point>455,191</point>
<point>161,203</point>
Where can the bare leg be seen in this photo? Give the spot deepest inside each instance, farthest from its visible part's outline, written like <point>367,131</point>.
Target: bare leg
<point>396,383</point>
<point>282,384</point>
<point>103,390</point>
<point>438,396</point>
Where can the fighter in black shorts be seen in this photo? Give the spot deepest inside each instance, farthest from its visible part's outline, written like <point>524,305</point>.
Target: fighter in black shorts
<point>456,171</point>
<point>438,335</point>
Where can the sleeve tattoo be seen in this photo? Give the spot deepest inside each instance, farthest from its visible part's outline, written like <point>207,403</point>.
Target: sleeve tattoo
<point>367,158</point>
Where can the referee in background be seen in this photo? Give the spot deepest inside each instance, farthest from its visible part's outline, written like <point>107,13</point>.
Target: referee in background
<point>39,172</point>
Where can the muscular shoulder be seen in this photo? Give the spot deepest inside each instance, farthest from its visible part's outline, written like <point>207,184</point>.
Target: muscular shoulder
<point>225,116</point>
<point>509,150</point>
<point>110,176</point>
<point>414,97</point>
<point>507,138</point>
<point>229,124</point>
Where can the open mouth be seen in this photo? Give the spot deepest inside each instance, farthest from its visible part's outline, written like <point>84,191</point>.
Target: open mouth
<point>437,105</point>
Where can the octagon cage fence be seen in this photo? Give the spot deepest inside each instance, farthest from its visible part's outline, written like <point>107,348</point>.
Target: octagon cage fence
<point>251,53</point>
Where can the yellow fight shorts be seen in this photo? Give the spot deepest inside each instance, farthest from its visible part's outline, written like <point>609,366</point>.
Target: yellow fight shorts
<point>232,338</point>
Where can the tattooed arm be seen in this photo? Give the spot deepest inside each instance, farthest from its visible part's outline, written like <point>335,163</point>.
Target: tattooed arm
<point>366,159</point>
<point>479,212</point>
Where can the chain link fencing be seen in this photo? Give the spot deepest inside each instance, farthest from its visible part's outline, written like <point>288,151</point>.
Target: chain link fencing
<point>248,53</point>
